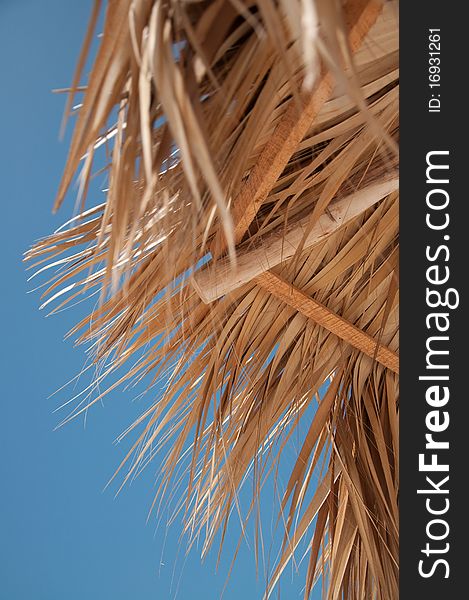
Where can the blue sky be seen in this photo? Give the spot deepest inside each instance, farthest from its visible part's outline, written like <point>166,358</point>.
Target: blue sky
<point>61,536</point>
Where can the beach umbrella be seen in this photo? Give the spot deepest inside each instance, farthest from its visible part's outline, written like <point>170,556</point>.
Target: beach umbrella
<point>244,263</point>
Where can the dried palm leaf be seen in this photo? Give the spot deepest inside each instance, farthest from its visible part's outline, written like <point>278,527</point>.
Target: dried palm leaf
<point>246,254</point>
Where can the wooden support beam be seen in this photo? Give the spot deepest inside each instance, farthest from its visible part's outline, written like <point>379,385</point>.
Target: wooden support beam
<point>211,283</point>
<point>322,315</point>
<point>359,17</point>
<point>218,279</point>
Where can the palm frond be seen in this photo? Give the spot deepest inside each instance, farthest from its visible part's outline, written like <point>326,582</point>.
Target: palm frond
<point>247,254</point>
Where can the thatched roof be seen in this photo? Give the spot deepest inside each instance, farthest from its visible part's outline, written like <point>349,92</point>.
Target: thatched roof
<point>248,246</point>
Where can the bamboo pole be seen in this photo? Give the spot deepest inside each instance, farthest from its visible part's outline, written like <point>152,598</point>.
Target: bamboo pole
<point>220,278</point>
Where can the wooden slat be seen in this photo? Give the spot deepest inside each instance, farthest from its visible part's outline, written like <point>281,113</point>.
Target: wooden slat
<point>359,17</point>
<point>322,315</point>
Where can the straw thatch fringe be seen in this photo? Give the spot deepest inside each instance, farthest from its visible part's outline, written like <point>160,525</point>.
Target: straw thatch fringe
<point>233,131</point>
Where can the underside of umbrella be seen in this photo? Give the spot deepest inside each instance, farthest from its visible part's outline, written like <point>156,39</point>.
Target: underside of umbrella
<point>246,262</point>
